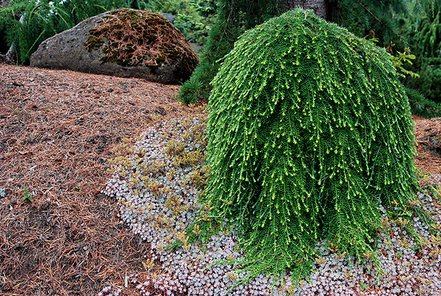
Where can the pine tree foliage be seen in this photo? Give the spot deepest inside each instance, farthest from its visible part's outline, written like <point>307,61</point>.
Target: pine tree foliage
<point>423,27</point>
<point>233,18</point>
<point>422,106</point>
<point>369,17</point>
<point>310,133</point>
<point>193,17</point>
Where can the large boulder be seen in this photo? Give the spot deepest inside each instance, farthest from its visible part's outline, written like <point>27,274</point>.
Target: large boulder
<point>124,42</point>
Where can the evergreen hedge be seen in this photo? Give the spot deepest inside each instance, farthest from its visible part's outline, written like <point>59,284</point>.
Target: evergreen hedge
<point>310,135</point>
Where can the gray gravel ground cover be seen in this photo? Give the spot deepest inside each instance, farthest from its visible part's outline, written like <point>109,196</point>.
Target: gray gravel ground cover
<point>157,189</point>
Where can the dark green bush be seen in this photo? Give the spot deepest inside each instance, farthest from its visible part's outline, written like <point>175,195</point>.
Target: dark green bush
<point>371,18</point>
<point>422,27</point>
<point>5,23</point>
<point>422,106</point>
<point>193,17</point>
<point>233,18</point>
<point>310,134</point>
<point>429,80</point>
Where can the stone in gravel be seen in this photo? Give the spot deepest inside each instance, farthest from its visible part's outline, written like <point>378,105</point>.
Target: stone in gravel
<point>2,192</point>
<point>125,43</point>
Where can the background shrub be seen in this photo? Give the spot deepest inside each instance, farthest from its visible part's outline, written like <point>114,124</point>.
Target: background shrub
<point>429,81</point>
<point>310,135</point>
<point>422,106</point>
<point>193,17</point>
<point>370,18</point>
<point>421,25</point>
<point>233,18</point>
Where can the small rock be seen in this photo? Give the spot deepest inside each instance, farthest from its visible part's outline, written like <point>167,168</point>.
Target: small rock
<point>2,192</point>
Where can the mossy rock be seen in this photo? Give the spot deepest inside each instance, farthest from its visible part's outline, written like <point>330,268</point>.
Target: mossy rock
<point>124,42</point>
<point>310,135</point>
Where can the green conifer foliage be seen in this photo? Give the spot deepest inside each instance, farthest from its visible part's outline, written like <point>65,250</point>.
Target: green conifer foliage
<point>233,18</point>
<point>370,18</point>
<point>310,132</point>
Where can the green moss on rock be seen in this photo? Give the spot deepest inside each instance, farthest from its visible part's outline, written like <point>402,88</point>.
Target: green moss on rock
<point>310,134</point>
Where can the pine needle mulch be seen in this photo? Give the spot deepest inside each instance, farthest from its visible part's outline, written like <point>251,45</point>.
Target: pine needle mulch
<point>428,136</point>
<point>57,129</point>
<point>58,234</point>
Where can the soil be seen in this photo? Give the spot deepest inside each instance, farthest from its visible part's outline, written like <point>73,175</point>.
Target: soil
<point>59,235</point>
<point>428,135</point>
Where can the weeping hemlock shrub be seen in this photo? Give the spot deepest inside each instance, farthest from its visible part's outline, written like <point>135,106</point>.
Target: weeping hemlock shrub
<point>310,135</point>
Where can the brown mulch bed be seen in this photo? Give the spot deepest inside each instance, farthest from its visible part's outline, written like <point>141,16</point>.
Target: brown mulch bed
<point>57,129</point>
<point>56,132</point>
<point>428,135</point>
